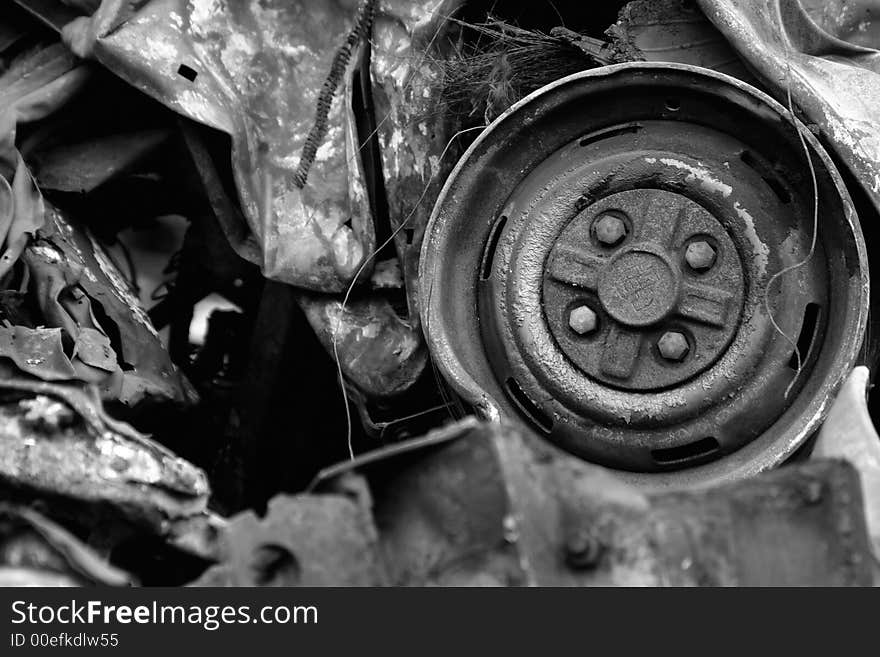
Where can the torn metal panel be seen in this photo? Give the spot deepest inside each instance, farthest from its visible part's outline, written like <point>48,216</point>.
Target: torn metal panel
<point>801,525</point>
<point>76,287</point>
<point>825,63</point>
<point>305,540</point>
<point>37,352</point>
<point>73,280</point>
<point>476,504</point>
<point>257,72</point>
<point>59,445</point>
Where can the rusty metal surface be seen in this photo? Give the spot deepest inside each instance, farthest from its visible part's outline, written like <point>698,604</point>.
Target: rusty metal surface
<point>674,31</point>
<point>257,74</point>
<point>656,290</point>
<point>240,68</point>
<point>71,273</point>
<point>57,444</point>
<point>825,54</point>
<point>77,291</point>
<point>814,509</point>
<point>378,351</point>
<point>417,154</point>
<point>490,507</point>
<point>756,189</point>
<point>643,280</point>
<point>318,540</point>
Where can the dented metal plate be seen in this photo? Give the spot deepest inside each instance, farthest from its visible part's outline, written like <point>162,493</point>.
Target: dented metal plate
<point>256,72</point>
<point>825,54</point>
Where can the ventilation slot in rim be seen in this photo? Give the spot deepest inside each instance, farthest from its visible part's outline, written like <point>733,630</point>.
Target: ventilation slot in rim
<point>683,454</point>
<point>629,128</point>
<point>528,408</point>
<point>491,247</point>
<point>809,331</point>
<point>767,175</point>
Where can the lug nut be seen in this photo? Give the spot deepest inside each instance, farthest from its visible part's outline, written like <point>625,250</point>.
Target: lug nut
<point>700,255</point>
<point>610,229</point>
<point>582,320</point>
<point>673,346</point>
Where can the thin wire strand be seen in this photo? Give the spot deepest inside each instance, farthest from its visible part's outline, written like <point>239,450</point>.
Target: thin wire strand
<point>360,271</point>
<point>812,250</point>
<point>556,11</point>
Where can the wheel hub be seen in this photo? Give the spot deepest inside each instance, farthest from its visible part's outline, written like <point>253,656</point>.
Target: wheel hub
<point>641,288</point>
<point>625,263</point>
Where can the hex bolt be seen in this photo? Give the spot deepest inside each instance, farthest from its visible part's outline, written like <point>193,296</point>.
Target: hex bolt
<point>610,229</point>
<point>582,320</point>
<point>583,551</point>
<point>700,255</point>
<point>673,346</point>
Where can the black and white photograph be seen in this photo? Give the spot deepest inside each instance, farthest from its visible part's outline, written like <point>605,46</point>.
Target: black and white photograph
<point>430,294</point>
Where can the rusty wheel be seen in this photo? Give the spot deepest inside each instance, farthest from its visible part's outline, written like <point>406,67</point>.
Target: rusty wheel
<point>601,267</point>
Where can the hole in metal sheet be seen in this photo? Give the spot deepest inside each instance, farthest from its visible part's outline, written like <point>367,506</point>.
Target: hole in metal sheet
<point>538,417</point>
<point>683,453</point>
<point>491,247</point>
<point>629,128</point>
<point>807,335</point>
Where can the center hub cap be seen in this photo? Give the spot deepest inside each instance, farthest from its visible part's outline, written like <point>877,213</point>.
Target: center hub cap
<point>638,288</point>
<point>643,289</point>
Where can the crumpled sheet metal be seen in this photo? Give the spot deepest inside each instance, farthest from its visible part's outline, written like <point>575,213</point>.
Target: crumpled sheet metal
<point>258,72</point>
<point>259,68</point>
<point>479,504</point>
<point>67,271</point>
<point>59,445</point>
<point>71,273</point>
<point>303,540</point>
<point>820,51</point>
